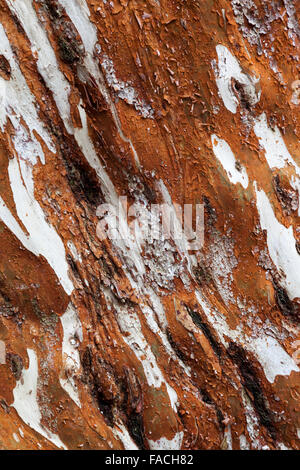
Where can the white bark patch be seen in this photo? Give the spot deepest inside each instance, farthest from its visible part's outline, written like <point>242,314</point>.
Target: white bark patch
<point>124,90</point>
<point>71,360</point>
<point>228,437</point>
<point>182,242</point>
<point>295,99</point>
<point>78,12</point>
<point>281,446</point>
<point>128,247</point>
<point>165,444</point>
<point>43,238</point>
<point>14,227</point>
<point>74,251</point>
<point>33,242</point>
<point>272,357</point>
<point>2,352</point>
<point>227,69</point>
<point>276,152</point>
<point>243,443</point>
<point>17,101</point>
<point>130,326</point>
<point>222,262</point>
<point>252,421</point>
<point>226,157</point>
<point>267,350</point>
<point>46,63</point>
<point>281,245</point>
<point>293,25</point>
<point>121,433</point>
<point>25,400</point>
<point>150,318</point>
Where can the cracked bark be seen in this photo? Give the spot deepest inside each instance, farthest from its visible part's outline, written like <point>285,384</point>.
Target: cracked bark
<point>105,345</point>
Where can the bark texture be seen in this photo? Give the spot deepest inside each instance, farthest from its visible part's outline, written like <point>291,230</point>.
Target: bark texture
<point>147,345</point>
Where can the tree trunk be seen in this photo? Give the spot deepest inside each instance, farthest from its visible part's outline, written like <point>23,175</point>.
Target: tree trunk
<point>134,341</point>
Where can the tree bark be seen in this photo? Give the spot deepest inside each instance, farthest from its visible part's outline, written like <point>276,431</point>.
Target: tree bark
<point>146,343</point>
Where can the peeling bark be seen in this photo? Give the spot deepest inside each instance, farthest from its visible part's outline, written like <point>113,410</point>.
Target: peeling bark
<point>143,343</point>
